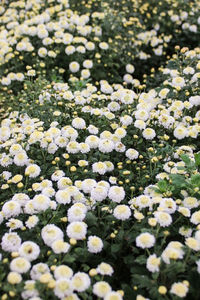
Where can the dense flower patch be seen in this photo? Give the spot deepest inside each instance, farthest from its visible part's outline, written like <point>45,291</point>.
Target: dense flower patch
<point>99,166</point>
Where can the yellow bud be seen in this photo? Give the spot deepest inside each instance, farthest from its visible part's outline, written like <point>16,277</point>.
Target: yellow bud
<point>93,272</point>
<point>73,242</point>
<point>162,290</point>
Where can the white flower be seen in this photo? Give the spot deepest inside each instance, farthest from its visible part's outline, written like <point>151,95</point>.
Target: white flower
<point>20,265</point>
<point>195,218</point>
<point>29,250</point>
<point>32,171</point>
<point>63,196</point>
<point>179,289</point>
<point>11,242</point>
<point>11,209</point>
<point>101,288</point>
<point>105,269</point>
<point>80,282</point>
<point>94,244</point>
<point>99,193</point>
<point>116,193</point>
<point>74,66</point>
<point>78,123</point>
<point>21,159</point>
<point>153,263</point>
<point>63,271</point>
<point>180,132</point>
<point>99,167</point>
<point>51,233</point>
<point>132,153</point>
<point>77,230</point>
<point>41,202</point>
<point>63,288</point>
<point>59,246</point>
<point>76,213</point>
<point>106,146</point>
<point>122,212</point>
<point>149,133</point>
<point>113,295</point>
<point>145,240</point>
<point>163,218</point>
<point>88,185</point>
<point>38,270</point>
<point>130,68</point>
<point>32,221</point>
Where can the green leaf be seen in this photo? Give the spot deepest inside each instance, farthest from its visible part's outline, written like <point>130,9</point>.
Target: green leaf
<point>197,159</point>
<point>195,179</point>
<point>115,248</point>
<point>162,185</point>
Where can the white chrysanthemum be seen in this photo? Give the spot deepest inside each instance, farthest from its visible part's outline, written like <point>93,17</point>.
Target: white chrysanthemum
<point>120,132</point>
<point>41,202</point>
<point>92,141</point>
<point>32,171</point>
<point>88,185</point>
<point>180,132</point>
<point>15,148</point>
<point>178,81</point>
<point>78,123</point>
<point>141,114</point>
<point>168,205</point>
<point>132,153</point>
<point>73,147</point>
<point>76,213</point>
<point>190,202</point>
<point>63,271</point>
<point>130,68</point>
<point>143,201</point>
<point>195,100</point>
<point>192,243</point>
<point>172,253</point>
<point>153,263</point>
<point>80,282</point>
<point>38,270</point>
<point>21,159</point>
<point>20,265</point>
<point>10,242</point>
<point>113,295</point>
<point>63,288</point>
<point>77,230</point>
<point>63,196</point>
<point>105,269</point>
<point>30,291</point>
<point>149,133</point>
<point>94,244</point>
<point>126,120</point>
<point>74,66</point>
<point>122,212</point>
<point>185,231</point>
<point>101,289</point>
<point>195,218</point>
<point>51,233</point>
<point>99,167</point>
<point>29,250</point>
<point>59,246</point>
<point>99,193</point>
<point>58,174</point>
<point>11,209</point>
<point>145,240</point>
<point>116,194</point>
<point>64,182</point>
<point>106,146</point>
<point>163,218</point>
<point>12,224</point>
<point>179,289</point>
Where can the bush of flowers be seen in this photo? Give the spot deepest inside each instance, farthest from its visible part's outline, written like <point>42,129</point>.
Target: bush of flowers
<point>99,162</point>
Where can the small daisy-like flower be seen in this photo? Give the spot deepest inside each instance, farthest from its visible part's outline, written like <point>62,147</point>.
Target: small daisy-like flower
<point>20,265</point>
<point>80,282</point>
<point>101,288</point>
<point>149,134</point>
<point>105,269</point>
<point>179,289</point>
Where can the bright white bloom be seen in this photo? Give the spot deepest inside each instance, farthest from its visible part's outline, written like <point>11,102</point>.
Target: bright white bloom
<point>80,282</point>
<point>113,295</point>
<point>179,289</point>
<point>63,271</point>
<point>11,209</point>
<point>149,134</point>
<point>11,242</point>
<point>105,269</point>
<point>41,202</point>
<point>94,244</point>
<point>116,193</point>
<point>29,250</point>
<point>59,246</point>
<point>63,288</point>
<point>163,218</point>
<point>122,212</point>
<point>20,265</point>
<point>77,230</point>
<point>51,233</point>
<point>132,153</point>
<point>145,240</point>
<point>153,263</point>
<point>101,288</point>
<point>38,270</point>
